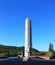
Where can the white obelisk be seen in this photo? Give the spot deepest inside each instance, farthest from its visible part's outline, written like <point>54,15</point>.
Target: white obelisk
<point>28,38</point>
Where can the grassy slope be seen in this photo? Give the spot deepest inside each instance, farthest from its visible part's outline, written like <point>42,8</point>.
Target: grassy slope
<point>6,51</point>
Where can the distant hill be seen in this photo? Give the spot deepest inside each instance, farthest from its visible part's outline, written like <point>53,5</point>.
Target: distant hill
<point>13,50</point>
<point>4,48</point>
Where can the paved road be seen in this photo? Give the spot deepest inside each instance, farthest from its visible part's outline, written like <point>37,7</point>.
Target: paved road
<point>30,62</point>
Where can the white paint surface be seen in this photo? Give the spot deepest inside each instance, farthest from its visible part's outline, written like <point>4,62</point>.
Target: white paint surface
<point>27,37</point>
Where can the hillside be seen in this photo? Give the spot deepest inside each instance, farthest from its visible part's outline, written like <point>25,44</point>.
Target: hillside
<point>6,51</point>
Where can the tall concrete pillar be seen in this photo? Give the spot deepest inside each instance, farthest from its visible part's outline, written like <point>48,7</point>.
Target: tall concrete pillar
<point>28,38</point>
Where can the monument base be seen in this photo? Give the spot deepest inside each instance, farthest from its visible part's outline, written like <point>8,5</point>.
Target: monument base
<point>25,58</point>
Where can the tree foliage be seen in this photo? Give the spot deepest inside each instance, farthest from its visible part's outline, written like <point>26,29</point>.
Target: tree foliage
<point>51,47</point>
<point>6,51</point>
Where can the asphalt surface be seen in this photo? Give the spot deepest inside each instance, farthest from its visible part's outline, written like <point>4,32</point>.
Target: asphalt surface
<point>29,62</point>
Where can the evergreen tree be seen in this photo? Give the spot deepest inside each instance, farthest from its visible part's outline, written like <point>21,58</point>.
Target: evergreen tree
<point>51,50</point>
<point>51,47</point>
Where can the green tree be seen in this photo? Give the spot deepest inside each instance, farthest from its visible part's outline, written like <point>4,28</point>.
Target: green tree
<point>51,49</point>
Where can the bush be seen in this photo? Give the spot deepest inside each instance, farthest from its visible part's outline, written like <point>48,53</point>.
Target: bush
<point>3,55</point>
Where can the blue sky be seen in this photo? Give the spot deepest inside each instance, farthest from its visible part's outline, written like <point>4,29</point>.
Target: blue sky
<point>12,22</point>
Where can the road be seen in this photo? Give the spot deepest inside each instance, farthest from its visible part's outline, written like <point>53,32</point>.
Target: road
<point>30,62</point>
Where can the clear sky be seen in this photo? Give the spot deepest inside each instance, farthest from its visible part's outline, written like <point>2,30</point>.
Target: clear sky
<point>12,22</point>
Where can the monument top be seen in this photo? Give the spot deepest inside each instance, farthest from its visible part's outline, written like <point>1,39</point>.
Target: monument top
<point>28,19</point>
